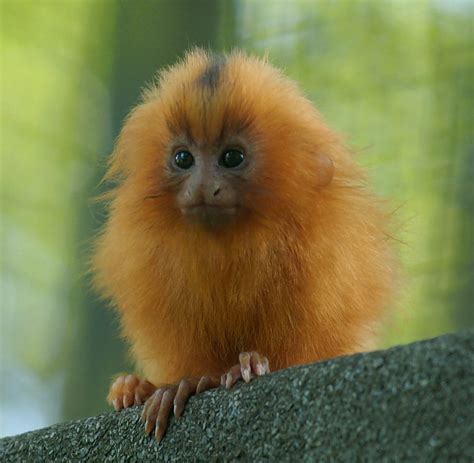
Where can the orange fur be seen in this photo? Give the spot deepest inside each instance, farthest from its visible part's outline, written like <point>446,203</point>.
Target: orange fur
<point>302,277</point>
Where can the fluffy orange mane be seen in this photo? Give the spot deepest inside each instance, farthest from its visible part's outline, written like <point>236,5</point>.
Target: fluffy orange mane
<point>303,276</point>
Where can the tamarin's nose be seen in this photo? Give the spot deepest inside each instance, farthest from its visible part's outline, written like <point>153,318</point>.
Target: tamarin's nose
<point>212,189</point>
<point>218,194</point>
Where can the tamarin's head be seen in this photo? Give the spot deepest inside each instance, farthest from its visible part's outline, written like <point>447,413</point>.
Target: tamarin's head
<point>221,142</point>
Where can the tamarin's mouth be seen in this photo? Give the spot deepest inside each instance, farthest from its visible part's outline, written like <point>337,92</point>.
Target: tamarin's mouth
<point>210,215</point>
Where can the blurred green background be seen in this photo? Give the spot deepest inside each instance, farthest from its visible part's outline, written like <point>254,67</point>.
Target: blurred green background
<point>394,77</point>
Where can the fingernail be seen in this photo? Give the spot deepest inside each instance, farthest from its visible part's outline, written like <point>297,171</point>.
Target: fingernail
<point>246,375</point>
<point>147,427</point>
<point>116,403</point>
<point>228,381</point>
<point>158,432</point>
<point>260,370</point>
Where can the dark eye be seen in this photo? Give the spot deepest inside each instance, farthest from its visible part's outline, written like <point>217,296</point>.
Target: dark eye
<point>184,159</point>
<point>231,158</point>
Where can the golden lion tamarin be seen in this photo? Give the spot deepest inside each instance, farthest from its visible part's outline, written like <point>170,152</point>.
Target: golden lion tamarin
<point>239,230</point>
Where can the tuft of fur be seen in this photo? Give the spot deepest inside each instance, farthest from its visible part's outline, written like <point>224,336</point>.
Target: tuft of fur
<point>303,277</point>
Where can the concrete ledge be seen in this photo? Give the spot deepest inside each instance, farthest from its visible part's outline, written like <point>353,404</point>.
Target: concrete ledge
<point>408,403</point>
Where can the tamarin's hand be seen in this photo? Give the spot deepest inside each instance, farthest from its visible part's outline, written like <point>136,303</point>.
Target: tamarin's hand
<point>128,390</point>
<point>238,221</point>
<point>157,408</point>
<point>250,364</point>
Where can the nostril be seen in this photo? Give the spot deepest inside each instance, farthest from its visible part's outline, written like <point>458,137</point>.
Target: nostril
<point>217,191</point>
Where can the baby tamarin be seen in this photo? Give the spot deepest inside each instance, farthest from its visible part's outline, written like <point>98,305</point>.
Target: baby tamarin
<point>240,230</point>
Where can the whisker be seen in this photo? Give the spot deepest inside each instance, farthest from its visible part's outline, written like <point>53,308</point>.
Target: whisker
<point>153,196</point>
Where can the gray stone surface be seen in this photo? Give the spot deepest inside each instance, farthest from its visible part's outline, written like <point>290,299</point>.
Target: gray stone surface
<point>408,403</point>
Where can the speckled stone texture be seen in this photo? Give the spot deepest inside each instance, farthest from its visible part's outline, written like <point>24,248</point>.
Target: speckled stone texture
<point>408,403</point>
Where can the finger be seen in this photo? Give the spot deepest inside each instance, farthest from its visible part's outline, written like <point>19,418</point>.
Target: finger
<point>149,400</point>
<point>257,365</point>
<point>147,388</point>
<point>266,365</point>
<point>118,404</point>
<point>145,408</point>
<point>151,410</point>
<point>130,385</point>
<point>144,390</point>
<point>118,383</point>
<point>113,398</point>
<point>207,382</point>
<point>245,367</point>
<point>137,398</point>
<point>163,414</point>
<point>233,375</point>
<point>186,388</point>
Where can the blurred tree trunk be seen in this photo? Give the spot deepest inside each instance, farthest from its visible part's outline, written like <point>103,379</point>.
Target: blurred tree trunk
<point>454,95</point>
<point>148,36</point>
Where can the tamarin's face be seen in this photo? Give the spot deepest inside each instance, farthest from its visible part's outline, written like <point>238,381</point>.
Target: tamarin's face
<point>209,177</point>
<point>221,141</point>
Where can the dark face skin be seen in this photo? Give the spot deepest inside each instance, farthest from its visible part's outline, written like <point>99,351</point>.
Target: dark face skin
<point>209,179</point>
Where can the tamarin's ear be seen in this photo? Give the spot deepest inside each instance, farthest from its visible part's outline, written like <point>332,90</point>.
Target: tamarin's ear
<point>325,170</point>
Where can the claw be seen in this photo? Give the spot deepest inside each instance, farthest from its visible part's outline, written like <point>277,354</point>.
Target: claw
<point>233,375</point>
<point>228,381</point>
<point>185,389</point>
<point>244,359</point>
<point>127,400</point>
<point>138,399</point>
<point>159,431</point>
<point>148,427</point>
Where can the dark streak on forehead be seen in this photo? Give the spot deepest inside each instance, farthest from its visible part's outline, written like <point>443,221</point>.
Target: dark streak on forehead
<point>210,77</point>
<point>178,123</point>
